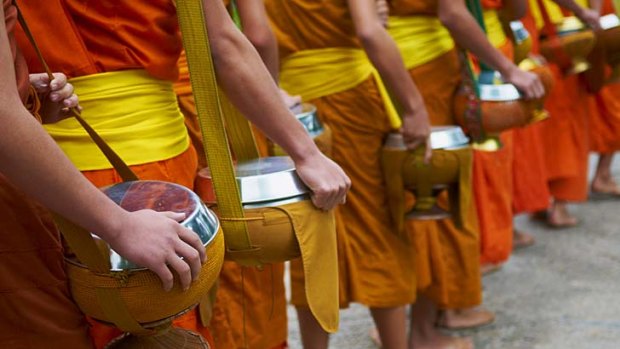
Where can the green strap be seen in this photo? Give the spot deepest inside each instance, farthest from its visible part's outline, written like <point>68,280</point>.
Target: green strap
<point>616,4</point>
<point>475,8</point>
<point>209,109</point>
<point>233,9</point>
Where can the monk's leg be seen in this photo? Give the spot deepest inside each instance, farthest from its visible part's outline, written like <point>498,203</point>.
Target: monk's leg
<point>312,334</point>
<point>603,182</point>
<point>391,326</point>
<point>423,332</point>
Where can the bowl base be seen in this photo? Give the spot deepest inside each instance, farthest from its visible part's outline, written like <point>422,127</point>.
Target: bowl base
<point>434,214</point>
<point>165,338</point>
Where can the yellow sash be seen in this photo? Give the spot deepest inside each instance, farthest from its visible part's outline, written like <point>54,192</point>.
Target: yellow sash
<point>495,32</point>
<point>420,39</point>
<point>322,72</point>
<point>555,13</point>
<point>135,113</point>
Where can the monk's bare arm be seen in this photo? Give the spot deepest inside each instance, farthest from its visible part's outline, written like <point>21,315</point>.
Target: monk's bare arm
<point>257,29</point>
<point>385,56</point>
<point>454,15</point>
<point>32,161</point>
<point>596,5</point>
<point>252,90</point>
<point>588,16</point>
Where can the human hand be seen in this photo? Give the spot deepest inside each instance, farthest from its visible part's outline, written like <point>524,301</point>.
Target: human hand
<point>156,241</point>
<point>292,102</point>
<point>383,11</point>
<point>327,181</point>
<point>526,82</point>
<point>57,96</point>
<point>416,131</point>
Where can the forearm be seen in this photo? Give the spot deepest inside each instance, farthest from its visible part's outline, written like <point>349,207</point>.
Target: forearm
<point>385,56</point>
<point>32,161</point>
<point>468,34</point>
<point>596,5</point>
<point>257,29</point>
<point>250,87</point>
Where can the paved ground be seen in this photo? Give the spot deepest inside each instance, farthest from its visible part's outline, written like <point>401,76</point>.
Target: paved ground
<point>562,293</point>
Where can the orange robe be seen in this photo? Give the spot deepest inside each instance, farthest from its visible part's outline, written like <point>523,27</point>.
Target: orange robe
<point>376,267</point>
<point>605,113</point>
<point>565,140</point>
<point>35,303</point>
<point>605,119</point>
<point>250,304</point>
<point>531,192</point>
<point>448,258</point>
<point>493,187</point>
<point>109,36</point>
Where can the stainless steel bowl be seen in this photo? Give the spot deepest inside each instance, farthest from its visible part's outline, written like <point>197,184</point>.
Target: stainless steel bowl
<point>609,21</point>
<point>569,25</point>
<point>442,137</point>
<point>159,196</point>
<point>308,117</point>
<point>519,31</point>
<point>262,182</point>
<point>498,93</point>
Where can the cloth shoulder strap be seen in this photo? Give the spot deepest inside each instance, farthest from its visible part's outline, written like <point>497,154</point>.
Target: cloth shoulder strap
<point>210,107</point>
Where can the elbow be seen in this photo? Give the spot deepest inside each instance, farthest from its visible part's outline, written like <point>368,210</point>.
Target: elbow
<point>225,45</point>
<point>368,35</point>
<point>448,17</point>
<point>262,40</point>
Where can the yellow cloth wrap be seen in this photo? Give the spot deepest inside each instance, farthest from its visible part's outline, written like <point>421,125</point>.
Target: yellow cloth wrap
<point>495,32</point>
<point>135,113</point>
<point>555,13</point>
<point>317,73</point>
<point>420,39</point>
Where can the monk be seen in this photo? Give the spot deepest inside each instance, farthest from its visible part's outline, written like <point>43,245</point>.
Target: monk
<point>250,307</point>
<point>566,132</point>
<point>445,281</point>
<point>35,304</point>
<point>128,81</point>
<point>343,43</point>
<point>604,110</point>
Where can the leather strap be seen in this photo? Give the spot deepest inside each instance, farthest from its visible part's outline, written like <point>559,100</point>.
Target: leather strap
<point>473,111</point>
<point>209,107</point>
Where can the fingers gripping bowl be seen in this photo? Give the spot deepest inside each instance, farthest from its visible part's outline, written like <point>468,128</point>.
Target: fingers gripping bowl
<point>140,289</point>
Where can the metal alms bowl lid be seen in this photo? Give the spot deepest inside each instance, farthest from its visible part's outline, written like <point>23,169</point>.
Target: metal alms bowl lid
<point>160,196</point>
<point>609,21</point>
<point>519,31</point>
<point>442,137</point>
<point>309,119</point>
<point>498,93</point>
<point>262,180</point>
<point>569,25</point>
<point>493,88</point>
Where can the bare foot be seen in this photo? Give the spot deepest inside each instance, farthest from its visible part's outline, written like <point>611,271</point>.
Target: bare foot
<point>490,268</point>
<point>522,239</point>
<point>605,185</point>
<point>559,217</point>
<point>461,319</point>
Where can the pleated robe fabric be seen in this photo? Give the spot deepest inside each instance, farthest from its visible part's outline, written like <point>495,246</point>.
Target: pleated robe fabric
<point>375,266</point>
<point>105,37</point>
<point>250,305</point>
<point>447,258</point>
<point>36,305</point>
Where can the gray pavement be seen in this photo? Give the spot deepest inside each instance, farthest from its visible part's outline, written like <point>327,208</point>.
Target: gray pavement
<point>562,293</point>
